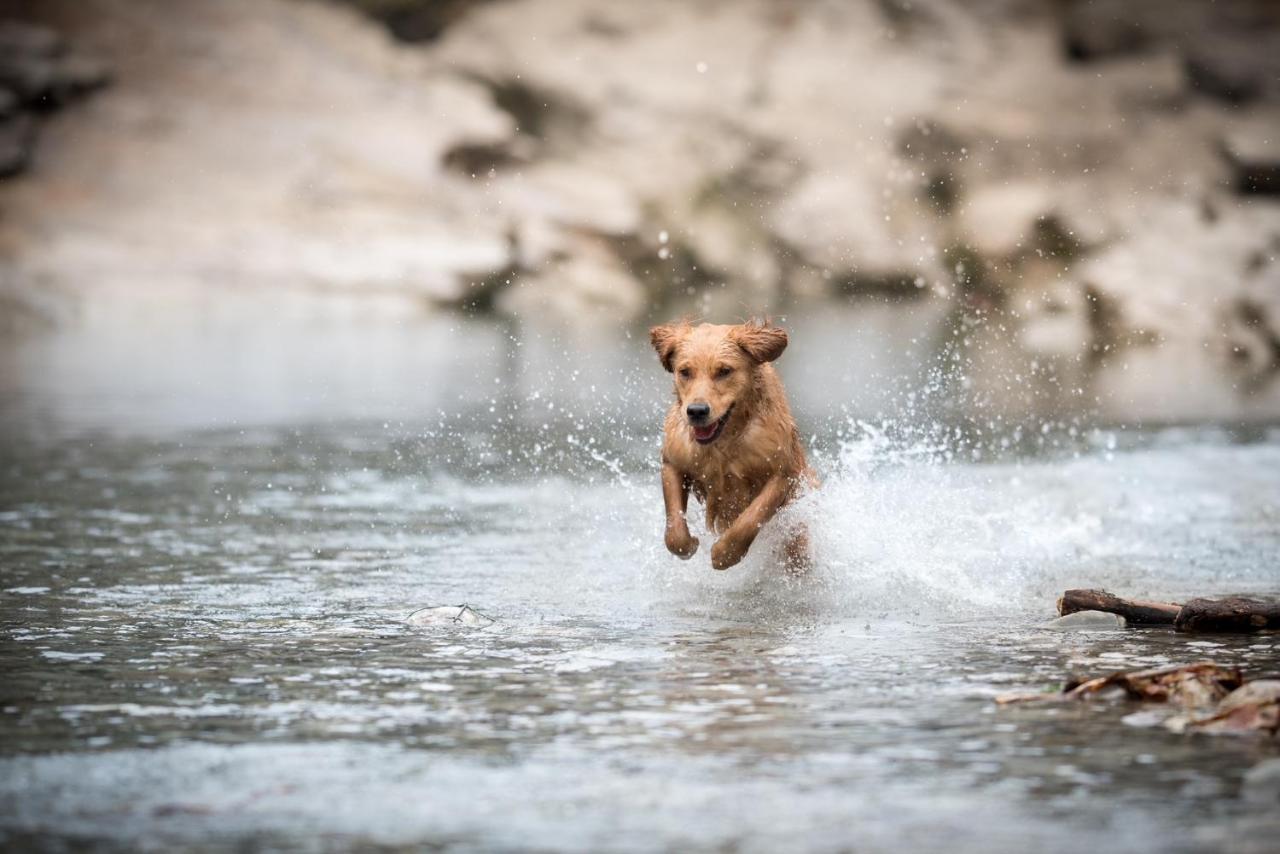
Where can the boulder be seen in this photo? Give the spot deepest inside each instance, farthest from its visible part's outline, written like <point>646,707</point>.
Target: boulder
<point>864,239</point>
<point>574,196</point>
<point>1198,266</point>
<point>587,281</point>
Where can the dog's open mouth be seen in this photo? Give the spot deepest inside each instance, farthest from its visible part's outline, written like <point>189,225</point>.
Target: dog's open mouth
<point>705,435</point>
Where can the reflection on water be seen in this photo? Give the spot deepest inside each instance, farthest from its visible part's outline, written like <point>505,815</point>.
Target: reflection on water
<point>204,643</point>
<point>269,366</point>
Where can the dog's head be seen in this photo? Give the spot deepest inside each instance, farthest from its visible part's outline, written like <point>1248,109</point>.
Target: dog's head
<point>715,367</point>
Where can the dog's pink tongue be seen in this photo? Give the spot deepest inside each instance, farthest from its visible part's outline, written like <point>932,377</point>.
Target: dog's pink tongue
<point>704,432</point>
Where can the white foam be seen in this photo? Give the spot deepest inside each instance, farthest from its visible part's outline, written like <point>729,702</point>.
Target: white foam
<point>901,529</point>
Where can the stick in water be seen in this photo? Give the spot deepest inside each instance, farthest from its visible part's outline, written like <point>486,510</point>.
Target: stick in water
<point>1136,612</point>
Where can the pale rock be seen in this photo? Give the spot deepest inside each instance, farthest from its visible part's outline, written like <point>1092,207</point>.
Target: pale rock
<point>538,241</point>
<point>587,282</point>
<point>1180,266</point>
<point>575,196</point>
<point>999,220</point>
<point>733,250</point>
<point>841,221</point>
<point>342,189</point>
<point>1087,621</point>
<point>1055,322</point>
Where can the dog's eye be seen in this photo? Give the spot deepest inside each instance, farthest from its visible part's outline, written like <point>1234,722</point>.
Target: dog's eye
<point>723,372</point>
<point>685,373</point>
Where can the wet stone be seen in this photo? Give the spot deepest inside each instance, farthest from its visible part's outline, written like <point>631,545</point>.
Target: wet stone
<point>1086,621</point>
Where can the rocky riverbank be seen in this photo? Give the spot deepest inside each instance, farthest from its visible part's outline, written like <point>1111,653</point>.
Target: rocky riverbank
<point>38,74</point>
<point>1096,180</point>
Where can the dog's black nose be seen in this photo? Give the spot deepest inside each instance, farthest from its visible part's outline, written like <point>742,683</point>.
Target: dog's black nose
<point>698,412</point>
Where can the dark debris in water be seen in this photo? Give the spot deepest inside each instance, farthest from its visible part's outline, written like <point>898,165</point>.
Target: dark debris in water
<point>1191,685</point>
<point>1253,707</point>
<point>1214,698</point>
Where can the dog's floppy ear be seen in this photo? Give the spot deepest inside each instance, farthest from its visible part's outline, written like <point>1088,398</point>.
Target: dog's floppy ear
<point>666,339</point>
<point>761,341</point>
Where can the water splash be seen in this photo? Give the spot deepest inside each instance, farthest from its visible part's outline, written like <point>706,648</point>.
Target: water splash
<point>902,529</point>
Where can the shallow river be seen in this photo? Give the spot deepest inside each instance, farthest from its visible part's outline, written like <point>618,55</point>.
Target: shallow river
<point>206,639</point>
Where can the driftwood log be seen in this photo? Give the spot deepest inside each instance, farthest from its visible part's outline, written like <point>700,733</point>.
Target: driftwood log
<point>1233,614</point>
<point>1138,613</point>
<point>1229,614</point>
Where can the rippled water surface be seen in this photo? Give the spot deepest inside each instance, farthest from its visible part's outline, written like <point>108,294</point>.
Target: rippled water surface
<point>206,641</point>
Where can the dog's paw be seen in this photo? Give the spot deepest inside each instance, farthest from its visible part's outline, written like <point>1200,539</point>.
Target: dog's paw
<point>725,553</point>
<point>681,544</point>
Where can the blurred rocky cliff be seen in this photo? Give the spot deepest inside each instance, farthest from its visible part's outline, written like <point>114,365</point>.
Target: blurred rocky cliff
<point>1089,182</point>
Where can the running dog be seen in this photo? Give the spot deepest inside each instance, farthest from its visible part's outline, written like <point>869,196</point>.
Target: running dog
<point>729,437</point>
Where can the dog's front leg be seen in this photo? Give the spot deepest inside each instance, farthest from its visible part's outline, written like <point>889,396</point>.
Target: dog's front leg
<point>675,495</point>
<point>733,544</point>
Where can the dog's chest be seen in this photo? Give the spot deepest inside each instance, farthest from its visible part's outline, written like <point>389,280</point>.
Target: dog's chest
<point>727,489</point>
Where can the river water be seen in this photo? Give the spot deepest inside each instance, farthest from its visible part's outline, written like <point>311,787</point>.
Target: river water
<point>211,550</point>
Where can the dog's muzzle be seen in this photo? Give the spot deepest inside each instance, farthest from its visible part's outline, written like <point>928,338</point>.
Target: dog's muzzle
<point>705,434</point>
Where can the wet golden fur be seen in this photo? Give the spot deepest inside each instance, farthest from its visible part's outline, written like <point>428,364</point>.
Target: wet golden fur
<point>756,464</point>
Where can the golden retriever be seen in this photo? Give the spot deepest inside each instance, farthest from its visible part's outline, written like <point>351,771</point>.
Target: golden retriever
<point>729,437</point>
